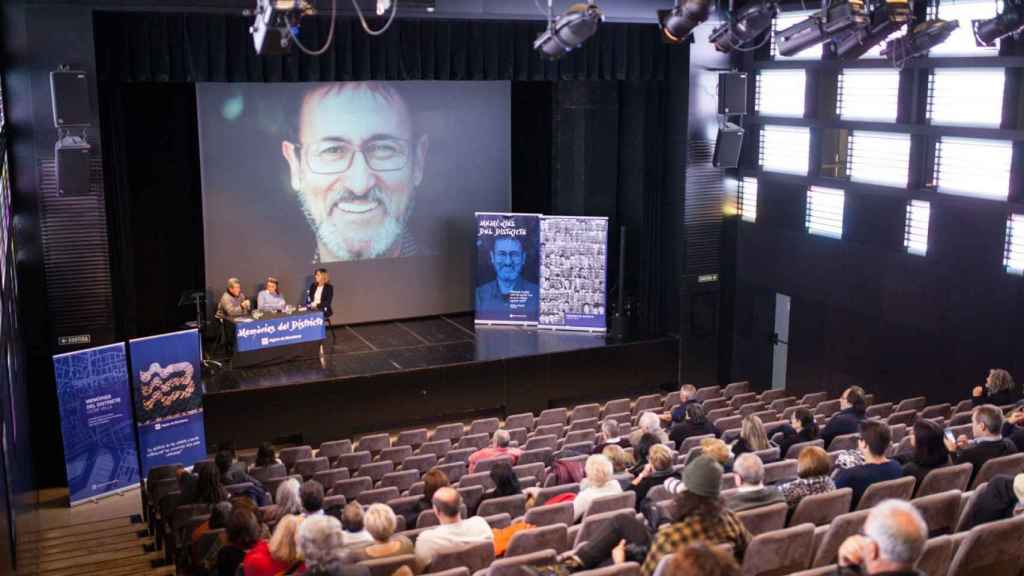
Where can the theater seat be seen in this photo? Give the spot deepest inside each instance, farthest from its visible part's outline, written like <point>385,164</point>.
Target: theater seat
<point>899,488</point>
<point>513,565</point>
<point>764,518</point>
<point>550,514</point>
<point>387,566</point>
<point>991,549</point>
<point>820,509</point>
<point>938,553</point>
<point>514,506</point>
<point>841,527</point>
<point>780,552</point>
<point>473,557</point>
<point>794,451</point>
<point>554,537</point>
<point>1011,465</point>
<point>940,511</point>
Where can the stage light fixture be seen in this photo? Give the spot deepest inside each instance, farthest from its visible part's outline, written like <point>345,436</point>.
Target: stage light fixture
<point>919,40</point>
<point>839,18</point>
<point>885,19</point>
<point>677,24</point>
<point>736,33</point>
<point>569,31</point>
<point>1011,21</point>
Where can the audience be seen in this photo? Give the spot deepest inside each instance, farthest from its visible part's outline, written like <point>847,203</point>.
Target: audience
<point>433,480</point>
<point>206,543</point>
<point>813,469</point>
<point>243,532</point>
<point>874,441</point>
<point>658,470</point>
<point>354,532</point>
<point>852,410</point>
<point>891,542</point>
<point>699,559</point>
<point>610,437</point>
<point>999,389</point>
<point>599,481</point>
<point>287,502</point>
<point>929,451</point>
<point>453,531</point>
<point>1001,498</point>
<point>506,483</point>
<point>319,543</point>
<point>208,488</point>
<point>500,442</point>
<point>713,448</point>
<point>1013,428</point>
<point>687,398</point>
<point>278,555</point>
<point>695,423</point>
<point>265,456</point>
<point>621,460</point>
<point>380,522</point>
<point>640,452</point>
<point>988,442</point>
<point>751,491</point>
<point>648,423</point>
<point>752,437</point>
<point>233,472</point>
<point>311,493</point>
<point>801,428</point>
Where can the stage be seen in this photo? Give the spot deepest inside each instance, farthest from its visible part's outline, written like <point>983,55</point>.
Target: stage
<point>402,374</point>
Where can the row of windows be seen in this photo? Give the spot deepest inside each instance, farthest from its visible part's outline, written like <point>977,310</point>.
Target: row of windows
<point>825,213</point>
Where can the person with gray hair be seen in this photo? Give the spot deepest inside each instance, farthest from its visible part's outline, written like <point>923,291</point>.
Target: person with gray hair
<point>648,423</point>
<point>320,543</point>
<point>610,436</point>
<point>287,502</point>
<point>750,489</point>
<point>892,542</point>
<point>501,445</point>
<point>233,302</point>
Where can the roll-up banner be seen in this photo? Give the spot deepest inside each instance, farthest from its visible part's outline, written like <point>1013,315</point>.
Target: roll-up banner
<point>574,270</point>
<point>507,268</point>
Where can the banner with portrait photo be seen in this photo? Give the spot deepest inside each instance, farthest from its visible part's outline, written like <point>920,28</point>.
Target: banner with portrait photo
<point>507,268</point>
<point>96,423</point>
<point>167,378</point>
<point>574,271</point>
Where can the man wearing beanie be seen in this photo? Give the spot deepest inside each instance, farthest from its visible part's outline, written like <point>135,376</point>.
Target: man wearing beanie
<point>998,500</point>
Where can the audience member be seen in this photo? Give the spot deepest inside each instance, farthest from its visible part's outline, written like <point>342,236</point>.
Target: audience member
<point>751,491</point>
<point>1013,427</point>
<point>752,437</point>
<point>621,460</point>
<point>278,555</point>
<point>891,543</point>
<point>1001,498</point>
<point>380,523</point>
<point>874,441</point>
<point>852,411</point>
<point>699,559</point>
<point>610,437</point>
<point>208,538</point>
<point>243,531</point>
<point>813,469</point>
<point>233,472</point>
<point>713,448</point>
<point>353,529</point>
<point>453,531</point>
<point>599,481</point>
<point>695,423</point>
<point>208,487</point>
<point>988,442</point>
<point>500,446</point>
<point>506,483</point>
<point>640,451</point>
<point>648,423</point>
<point>658,470</point>
<point>433,480</point>
<point>287,502</point>
<point>687,397</point>
<point>265,456</point>
<point>319,541</point>
<point>929,451</point>
<point>311,493</point>
<point>801,428</point>
<point>999,389</point>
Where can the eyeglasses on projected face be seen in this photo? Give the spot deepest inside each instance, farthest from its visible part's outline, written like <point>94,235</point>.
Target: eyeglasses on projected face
<point>336,156</point>
<point>508,255</point>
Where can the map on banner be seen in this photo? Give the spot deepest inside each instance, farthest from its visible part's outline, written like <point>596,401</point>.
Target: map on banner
<point>573,272</point>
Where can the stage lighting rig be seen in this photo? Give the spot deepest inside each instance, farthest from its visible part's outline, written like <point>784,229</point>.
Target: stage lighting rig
<point>276,24</point>
<point>1011,21</point>
<point>677,24</point>
<point>569,31</point>
<point>740,30</point>
<point>918,40</point>
<point>837,18</point>
<point>886,17</point>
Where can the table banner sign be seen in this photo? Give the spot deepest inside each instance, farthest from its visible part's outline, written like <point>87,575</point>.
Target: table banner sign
<point>271,331</point>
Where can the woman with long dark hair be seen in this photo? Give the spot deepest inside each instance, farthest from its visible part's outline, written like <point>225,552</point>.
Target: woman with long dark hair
<point>929,450</point>
<point>209,489</point>
<point>695,423</point>
<point>802,427</point>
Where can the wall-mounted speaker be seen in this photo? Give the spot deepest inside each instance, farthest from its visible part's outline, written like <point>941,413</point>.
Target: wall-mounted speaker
<point>69,90</point>
<point>728,144</point>
<point>72,159</point>
<point>732,93</point>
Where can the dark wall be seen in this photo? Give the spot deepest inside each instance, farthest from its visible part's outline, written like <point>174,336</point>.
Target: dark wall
<point>863,310</point>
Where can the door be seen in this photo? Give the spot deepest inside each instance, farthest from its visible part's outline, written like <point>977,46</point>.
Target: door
<point>780,341</point>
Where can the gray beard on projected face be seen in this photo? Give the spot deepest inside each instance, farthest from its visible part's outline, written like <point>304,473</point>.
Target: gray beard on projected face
<point>333,237</point>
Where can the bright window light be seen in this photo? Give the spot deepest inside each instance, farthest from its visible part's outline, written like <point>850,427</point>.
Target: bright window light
<point>786,19</point>
<point>879,158</point>
<point>825,208</point>
<point>785,149</point>
<point>867,94</point>
<point>780,93</point>
<point>966,96</point>
<point>973,167</point>
<point>748,199</point>
<point>915,233</point>
<point>961,41</point>
<point>1013,256</point>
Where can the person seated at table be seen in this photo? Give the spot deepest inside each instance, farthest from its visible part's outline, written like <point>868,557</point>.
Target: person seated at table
<point>233,302</point>
<point>269,298</point>
<point>320,293</point>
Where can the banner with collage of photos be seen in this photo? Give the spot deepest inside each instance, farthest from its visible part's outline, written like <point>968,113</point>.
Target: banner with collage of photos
<point>573,272</point>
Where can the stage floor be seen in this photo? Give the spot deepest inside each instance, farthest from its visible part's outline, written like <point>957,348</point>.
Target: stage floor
<point>383,347</point>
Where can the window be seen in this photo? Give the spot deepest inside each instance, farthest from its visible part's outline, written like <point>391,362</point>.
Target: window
<point>786,19</point>
<point>973,167</point>
<point>879,158</point>
<point>961,41</point>
<point>915,233</point>
<point>1013,256</point>
<point>966,96</point>
<point>780,93</point>
<point>868,95</point>
<point>785,149</point>
<point>748,199</point>
<point>825,211</point>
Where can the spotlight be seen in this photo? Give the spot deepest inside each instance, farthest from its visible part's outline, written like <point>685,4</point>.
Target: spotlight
<point>569,31</point>
<point>840,17</point>
<point>886,18</point>
<point>677,23</point>
<point>750,23</point>
<point>919,40</point>
<point>986,32</point>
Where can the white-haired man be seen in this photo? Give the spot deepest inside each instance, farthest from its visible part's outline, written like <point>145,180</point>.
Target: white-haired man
<point>751,491</point>
<point>892,542</point>
<point>500,446</point>
<point>610,436</point>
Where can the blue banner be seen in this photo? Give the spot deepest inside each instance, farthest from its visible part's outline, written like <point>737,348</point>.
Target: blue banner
<point>574,268</point>
<point>275,330</point>
<point>96,421</point>
<point>507,268</point>
<point>167,377</point>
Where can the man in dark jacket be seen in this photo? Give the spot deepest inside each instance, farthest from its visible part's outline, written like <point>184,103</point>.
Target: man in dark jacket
<point>998,500</point>
<point>988,442</point>
<point>853,409</point>
<point>751,492</point>
<point>230,473</point>
<point>891,543</point>
<point>1013,428</point>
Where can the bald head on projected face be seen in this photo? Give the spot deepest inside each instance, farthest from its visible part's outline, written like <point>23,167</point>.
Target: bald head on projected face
<point>355,165</point>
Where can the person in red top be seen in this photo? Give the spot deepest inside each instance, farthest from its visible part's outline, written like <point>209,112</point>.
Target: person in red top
<point>499,447</point>
<point>279,555</point>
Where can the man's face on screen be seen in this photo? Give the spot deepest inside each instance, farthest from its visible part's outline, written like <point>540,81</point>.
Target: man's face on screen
<point>355,169</point>
<point>508,259</point>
